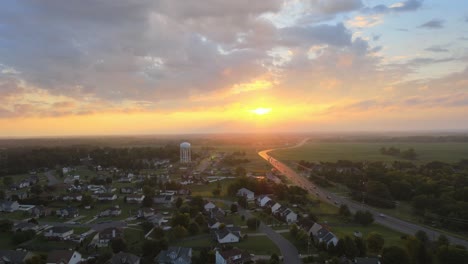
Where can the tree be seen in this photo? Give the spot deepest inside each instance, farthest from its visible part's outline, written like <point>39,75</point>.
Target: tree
<point>452,255</point>
<point>22,236</point>
<point>293,229</point>
<point>179,232</point>
<point>5,226</point>
<point>253,223</point>
<point>36,189</point>
<point>180,220</point>
<point>375,242</point>
<point>240,171</point>
<point>361,246</point>
<point>147,201</point>
<point>158,233</point>
<point>87,200</point>
<point>242,201</point>
<point>148,191</point>
<point>193,228</point>
<point>36,259</point>
<point>364,218</point>
<point>442,240</point>
<point>422,236</point>
<point>233,208</point>
<point>344,211</point>
<point>118,244</point>
<point>216,192</point>
<point>274,259</point>
<point>395,255</point>
<point>351,251</point>
<point>7,181</point>
<point>179,202</point>
<point>151,248</point>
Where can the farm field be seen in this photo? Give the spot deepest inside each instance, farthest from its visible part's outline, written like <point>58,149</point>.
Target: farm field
<point>359,151</point>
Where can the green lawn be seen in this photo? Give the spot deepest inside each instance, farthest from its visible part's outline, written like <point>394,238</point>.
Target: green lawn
<point>392,238</point>
<point>200,241</point>
<point>359,151</point>
<point>260,245</point>
<point>134,238</point>
<point>5,241</point>
<point>205,190</point>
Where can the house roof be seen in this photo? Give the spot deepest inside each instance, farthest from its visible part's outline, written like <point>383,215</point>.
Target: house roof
<point>245,190</point>
<point>305,224</point>
<point>222,233</point>
<point>124,258</point>
<point>235,255</point>
<point>107,233</point>
<point>59,256</point>
<point>13,256</point>
<point>174,255</point>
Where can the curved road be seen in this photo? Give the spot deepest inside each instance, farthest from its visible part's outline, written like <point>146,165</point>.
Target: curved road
<point>288,250</point>
<point>388,221</point>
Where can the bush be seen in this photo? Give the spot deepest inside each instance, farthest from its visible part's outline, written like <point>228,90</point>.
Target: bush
<point>253,223</point>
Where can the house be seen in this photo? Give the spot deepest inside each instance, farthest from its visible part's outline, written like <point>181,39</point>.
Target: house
<point>124,258</point>
<point>262,200</point>
<point>174,255</point>
<point>106,235</point>
<point>227,235</point>
<point>248,194</point>
<point>163,199</point>
<point>24,226</point>
<point>73,197</point>
<point>24,184</point>
<point>306,225</point>
<point>275,207</point>
<point>145,212</point>
<point>127,190</point>
<point>322,234</point>
<point>14,256</point>
<point>106,197</point>
<point>157,219</point>
<point>40,211</point>
<point>58,233</point>
<point>69,212</point>
<point>22,195</point>
<point>287,215</point>
<point>33,179</point>
<point>135,198</point>
<point>9,206</point>
<point>366,261</point>
<point>232,256</point>
<point>63,257</point>
<point>209,205</point>
<point>113,211</point>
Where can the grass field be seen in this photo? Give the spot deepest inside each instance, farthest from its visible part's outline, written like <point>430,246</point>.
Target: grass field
<point>392,238</point>
<point>260,245</point>
<point>360,151</point>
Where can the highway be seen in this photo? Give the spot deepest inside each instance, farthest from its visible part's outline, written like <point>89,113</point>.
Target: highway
<point>328,197</point>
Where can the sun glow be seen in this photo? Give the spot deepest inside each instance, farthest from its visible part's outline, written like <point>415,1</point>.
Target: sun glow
<point>261,111</point>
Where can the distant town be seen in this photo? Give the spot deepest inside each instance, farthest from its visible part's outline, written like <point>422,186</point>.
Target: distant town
<point>196,204</point>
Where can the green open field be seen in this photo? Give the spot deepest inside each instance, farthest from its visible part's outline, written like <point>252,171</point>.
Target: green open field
<point>360,151</point>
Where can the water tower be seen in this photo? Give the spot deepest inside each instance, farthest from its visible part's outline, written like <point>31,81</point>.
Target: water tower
<point>185,152</point>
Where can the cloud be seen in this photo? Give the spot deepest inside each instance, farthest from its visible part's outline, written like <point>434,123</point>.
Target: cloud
<point>336,6</point>
<point>405,6</point>
<point>433,24</point>
<point>336,35</point>
<point>365,21</point>
<point>437,48</point>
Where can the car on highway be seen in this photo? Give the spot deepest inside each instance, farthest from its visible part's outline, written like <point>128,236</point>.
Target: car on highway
<point>382,215</point>
<point>328,197</point>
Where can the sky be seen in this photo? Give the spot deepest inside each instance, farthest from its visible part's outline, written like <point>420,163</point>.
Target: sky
<point>116,67</point>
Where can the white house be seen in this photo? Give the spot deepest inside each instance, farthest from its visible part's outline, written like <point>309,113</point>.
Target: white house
<point>63,257</point>
<point>106,235</point>
<point>113,211</point>
<point>262,200</point>
<point>230,256</point>
<point>135,198</point>
<point>248,194</point>
<point>209,205</point>
<point>275,207</point>
<point>321,234</point>
<point>287,215</point>
<point>9,206</point>
<point>107,197</point>
<point>59,233</point>
<point>228,235</point>
<point>73,197</point>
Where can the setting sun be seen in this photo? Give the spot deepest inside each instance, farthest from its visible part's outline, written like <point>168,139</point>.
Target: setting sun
<point>261,111</point>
